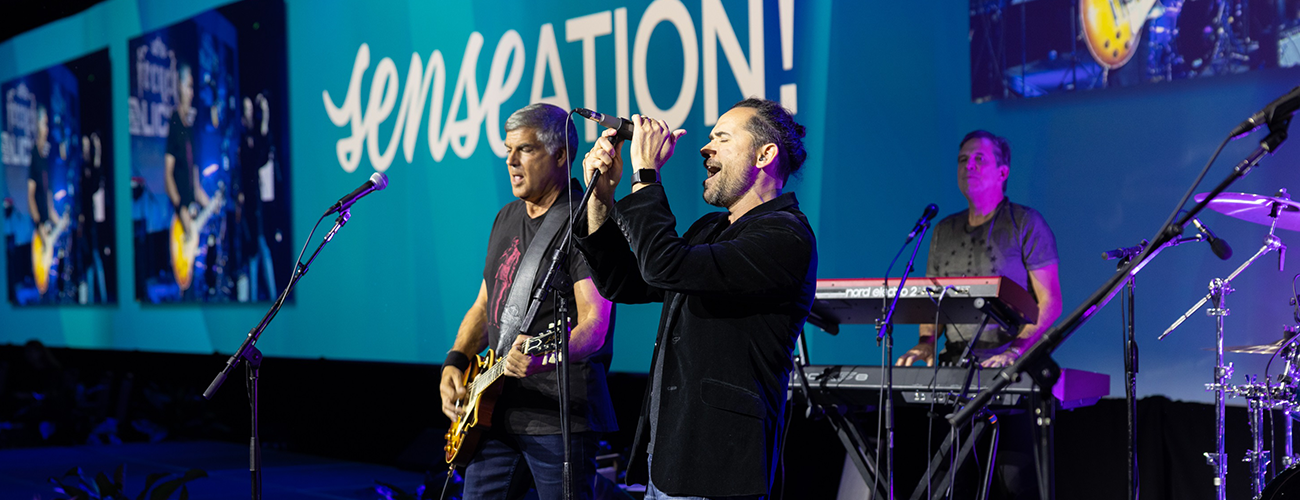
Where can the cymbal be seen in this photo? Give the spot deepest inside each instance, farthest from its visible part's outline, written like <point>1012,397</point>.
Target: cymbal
<point>1257,208</point>
<point>1256,349</point>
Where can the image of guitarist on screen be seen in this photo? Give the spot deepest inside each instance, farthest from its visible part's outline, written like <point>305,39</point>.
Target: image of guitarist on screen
<point>182,173</point>
<point>50,224</point>
<point>517,442</point>
<point>40,202</point>
<point>993,237</point>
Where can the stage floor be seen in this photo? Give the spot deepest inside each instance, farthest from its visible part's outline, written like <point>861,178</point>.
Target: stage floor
<point>25,473</point>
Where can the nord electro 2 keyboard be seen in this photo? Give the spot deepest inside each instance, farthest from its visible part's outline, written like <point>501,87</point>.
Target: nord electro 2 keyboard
<point>967,300</point>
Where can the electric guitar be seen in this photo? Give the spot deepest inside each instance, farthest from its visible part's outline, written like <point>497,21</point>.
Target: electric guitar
<point>1111,27</point>
<point>43,243</point>
<point>185,244</point>
<point>481,390</point>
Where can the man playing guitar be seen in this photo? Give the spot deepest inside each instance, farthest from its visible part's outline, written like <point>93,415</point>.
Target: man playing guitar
<point>523,444</point>
<point>182,174</point>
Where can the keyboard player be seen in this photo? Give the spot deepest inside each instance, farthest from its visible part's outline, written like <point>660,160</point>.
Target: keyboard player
<point>993,237</point>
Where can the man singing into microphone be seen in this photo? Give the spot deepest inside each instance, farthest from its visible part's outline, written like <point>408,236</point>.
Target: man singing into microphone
<point>993,237</point>
<point>524,445</point>
<point>736,289</point>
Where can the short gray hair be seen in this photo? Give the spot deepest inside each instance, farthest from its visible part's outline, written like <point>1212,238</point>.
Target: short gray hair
<point>551,123</point>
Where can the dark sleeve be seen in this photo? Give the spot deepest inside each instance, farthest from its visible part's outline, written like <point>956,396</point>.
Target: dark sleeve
<point>1038,244</point>
<point>771,255</point>
<point>612,266</point>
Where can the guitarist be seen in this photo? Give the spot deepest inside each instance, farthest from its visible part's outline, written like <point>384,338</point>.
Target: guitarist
<point>40,198</point>
<point>182,174</point>
<point>524,443</point>
<point>39,201</point>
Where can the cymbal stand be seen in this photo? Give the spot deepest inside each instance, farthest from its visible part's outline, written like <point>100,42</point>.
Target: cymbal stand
<point>1219,290</point>
<point>1288,412</point>
<point>1257,456</point>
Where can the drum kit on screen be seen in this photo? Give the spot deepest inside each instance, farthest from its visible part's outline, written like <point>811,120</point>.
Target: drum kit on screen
<point>1280,392</point>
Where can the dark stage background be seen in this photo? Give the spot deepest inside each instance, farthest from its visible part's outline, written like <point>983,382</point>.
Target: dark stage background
<point>387,413</point>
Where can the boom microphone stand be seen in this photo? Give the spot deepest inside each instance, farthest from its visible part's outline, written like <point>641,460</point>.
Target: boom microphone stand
<point>248,352</point>
<point>562,367</point>
<point>1128,335</point>
<point>885,332</point>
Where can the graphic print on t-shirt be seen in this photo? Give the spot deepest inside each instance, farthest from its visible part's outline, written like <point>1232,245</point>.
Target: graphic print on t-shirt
<point>507,264</point>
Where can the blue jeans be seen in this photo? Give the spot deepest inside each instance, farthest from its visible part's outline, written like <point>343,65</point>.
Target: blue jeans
<point>653,493</point>
<point>507,464</point>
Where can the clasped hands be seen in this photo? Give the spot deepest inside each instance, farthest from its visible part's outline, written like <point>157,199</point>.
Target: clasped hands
<point>652,144</point>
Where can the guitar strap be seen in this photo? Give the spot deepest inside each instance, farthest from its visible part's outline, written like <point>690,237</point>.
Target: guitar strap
<point>522,285</point>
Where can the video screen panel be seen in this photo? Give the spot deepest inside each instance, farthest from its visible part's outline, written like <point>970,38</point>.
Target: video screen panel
<point>1031,48</point>
<point>57,142</point>
<point>210,166</point>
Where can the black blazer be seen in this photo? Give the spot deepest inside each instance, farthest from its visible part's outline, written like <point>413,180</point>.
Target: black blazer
<point>735,299</point>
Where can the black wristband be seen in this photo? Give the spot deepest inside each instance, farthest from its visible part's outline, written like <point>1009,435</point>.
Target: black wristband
<point>457,359</point>
<point>645,176</point>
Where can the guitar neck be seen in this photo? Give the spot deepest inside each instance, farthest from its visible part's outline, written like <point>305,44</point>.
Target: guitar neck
<point>1138,11</point>
<point>485,379</point>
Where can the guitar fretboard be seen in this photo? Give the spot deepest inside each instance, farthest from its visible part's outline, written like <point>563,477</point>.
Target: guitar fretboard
<point>488,376</point>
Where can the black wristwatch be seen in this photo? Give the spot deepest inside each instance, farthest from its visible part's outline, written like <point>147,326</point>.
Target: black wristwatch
<point>645,176</point>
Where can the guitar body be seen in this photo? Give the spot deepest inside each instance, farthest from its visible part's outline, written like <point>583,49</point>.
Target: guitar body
<point>185,245</point>
<point>43,246</point>
<point>1108,29</point>
<point>464,435</point>
<point>482,387</point>
<point>1111,28</point>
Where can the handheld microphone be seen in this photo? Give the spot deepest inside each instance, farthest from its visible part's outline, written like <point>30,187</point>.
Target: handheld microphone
<point>931,210</point>
<point>1220,247</point>
<point>1283,106</point>
<point>377,182</point>
<point>622,125</point>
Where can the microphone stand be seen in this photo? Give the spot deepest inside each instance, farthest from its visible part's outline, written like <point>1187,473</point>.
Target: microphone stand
<point>562,367</point>
<point>885,332</point>
<point>1036,362</point>
<point>1130,348</point>
<point>249,353</point>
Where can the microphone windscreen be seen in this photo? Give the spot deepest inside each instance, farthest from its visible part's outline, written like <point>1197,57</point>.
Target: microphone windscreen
<point>1221,249</point>
<point>380,180</point>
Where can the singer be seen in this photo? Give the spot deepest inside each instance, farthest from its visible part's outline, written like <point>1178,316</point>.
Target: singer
<point>736,289</point>
<point>524,445</point>
<point>993,237</point>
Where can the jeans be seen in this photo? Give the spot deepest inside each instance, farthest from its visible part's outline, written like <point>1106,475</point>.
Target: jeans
<point>653,493</point>
<point>507,464</point>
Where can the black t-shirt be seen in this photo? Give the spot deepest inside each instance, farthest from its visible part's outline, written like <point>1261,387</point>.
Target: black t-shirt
<point>531,405</point>
<point>39,171</point>
<point>181,147</point>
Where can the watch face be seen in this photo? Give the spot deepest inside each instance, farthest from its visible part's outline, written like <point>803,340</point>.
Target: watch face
<point>646,175</point>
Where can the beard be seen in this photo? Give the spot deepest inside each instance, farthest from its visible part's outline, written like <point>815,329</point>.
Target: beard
<point>729,184</point>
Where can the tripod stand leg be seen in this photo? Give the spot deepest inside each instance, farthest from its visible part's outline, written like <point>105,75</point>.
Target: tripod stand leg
<point>855,447</point>
<point>1044,409</point>
<point>939,490</point>
<point>992,462</point>
<point>936,462</point>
